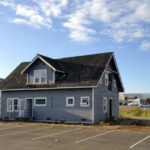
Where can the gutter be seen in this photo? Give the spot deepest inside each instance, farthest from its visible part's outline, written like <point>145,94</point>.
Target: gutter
<point>34,89</point>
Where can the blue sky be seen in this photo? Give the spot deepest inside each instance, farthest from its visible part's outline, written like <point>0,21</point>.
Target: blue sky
<point>63,28</point>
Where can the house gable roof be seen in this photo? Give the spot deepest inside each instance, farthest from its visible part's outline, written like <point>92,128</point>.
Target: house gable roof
<point>53,64</point>
<point>77,72</point>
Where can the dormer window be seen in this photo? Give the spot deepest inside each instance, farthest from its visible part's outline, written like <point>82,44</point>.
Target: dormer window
<point>40,76</point>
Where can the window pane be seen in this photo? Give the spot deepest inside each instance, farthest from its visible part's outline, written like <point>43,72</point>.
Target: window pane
<point>70,101</point>
<point>43,73</point>
<point>43,80</point>
<point>40,101</point>
<point>22,104</point>
<point>9,105</point>
<point>15,104</point>
<point>106,75</point>
<point>37,80</point>
<point>37,76</point>
<point>43,76</point>
<point>36,73</point>
<point>84,101</point>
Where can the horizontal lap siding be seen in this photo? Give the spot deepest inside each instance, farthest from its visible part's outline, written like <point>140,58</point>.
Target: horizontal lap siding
<point>99,93</point>
<point>56,104</point>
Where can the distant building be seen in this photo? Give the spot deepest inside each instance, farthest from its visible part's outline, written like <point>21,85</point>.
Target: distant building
<point>129,97</point>
<point>0,96</point>
<point>1,80</point>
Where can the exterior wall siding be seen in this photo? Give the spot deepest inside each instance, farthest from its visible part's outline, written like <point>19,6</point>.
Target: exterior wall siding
<point>99,93</point>
<point>56,105</point>
<point>37,66</point>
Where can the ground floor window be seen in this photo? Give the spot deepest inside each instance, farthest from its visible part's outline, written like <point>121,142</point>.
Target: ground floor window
<point>105,104</point>
<point>85,101</point>
<point>70,101</point>
<point>40,101</point>
<point>12,104</point>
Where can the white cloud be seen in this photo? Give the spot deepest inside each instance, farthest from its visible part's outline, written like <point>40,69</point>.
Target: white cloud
<point>38,14</point>
<point>124,20</point>
<point>145,46</point>
<point>51,7</point>
<point>32,16</point>
<point>121,20</point>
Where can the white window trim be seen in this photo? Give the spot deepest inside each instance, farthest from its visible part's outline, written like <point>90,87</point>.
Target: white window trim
<point>105,111</point>
<point>81,104</point>
<point>40,77</point>
<point>40,104</point>
<point>12,104</point>
<point>69,105</point>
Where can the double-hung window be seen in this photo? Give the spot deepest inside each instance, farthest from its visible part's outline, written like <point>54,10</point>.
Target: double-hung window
<point>115,83</point>
<point>105,104</point>
<point>69,101</point>
<point>40,76</point>
<point>41,101</point>
<point>106,78</point>
<point>12,104</point>
<point>85,101</point>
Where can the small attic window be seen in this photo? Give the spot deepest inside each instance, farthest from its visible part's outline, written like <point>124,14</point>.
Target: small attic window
<point>106,78</point>
<point>40,76</point>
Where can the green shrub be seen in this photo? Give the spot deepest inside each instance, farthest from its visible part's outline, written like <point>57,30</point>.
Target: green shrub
<point>124,103</point>
<point>136,111</point>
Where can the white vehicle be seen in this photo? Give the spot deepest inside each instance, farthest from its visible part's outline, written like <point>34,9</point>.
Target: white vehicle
<point>135,102</point>
<point>145,106</point>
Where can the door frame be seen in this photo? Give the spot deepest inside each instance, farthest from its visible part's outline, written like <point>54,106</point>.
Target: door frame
<point>110,107</point>
<point>29,98</point>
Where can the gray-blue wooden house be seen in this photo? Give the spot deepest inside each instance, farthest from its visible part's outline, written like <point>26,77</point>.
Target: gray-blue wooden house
<point>81,89</point>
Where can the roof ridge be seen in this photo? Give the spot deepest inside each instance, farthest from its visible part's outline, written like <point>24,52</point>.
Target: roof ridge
<point>85,55</point>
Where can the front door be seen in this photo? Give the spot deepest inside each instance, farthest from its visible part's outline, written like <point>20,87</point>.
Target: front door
<point>110,108</point>
<point>21,108</point>
<point>29,111</point>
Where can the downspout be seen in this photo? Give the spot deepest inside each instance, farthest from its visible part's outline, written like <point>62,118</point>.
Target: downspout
<point>93,116</point>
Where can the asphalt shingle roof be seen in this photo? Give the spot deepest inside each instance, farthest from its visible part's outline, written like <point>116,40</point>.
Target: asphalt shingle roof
<point>79,71</point>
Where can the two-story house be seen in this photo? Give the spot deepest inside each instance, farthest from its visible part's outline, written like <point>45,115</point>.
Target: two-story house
<point>81,89</point>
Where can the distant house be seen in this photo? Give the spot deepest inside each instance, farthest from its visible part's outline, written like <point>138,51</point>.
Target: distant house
<point>0,96</point>
<point>82,89</point>
<point>130,97</point>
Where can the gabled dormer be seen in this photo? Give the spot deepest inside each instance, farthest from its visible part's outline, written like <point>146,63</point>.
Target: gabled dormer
<point>42,70</point>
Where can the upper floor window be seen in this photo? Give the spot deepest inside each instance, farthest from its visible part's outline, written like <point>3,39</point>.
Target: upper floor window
<point>101,81</point>
<point>106,79</point>
<point>115,84</point>
<point>40,76</point>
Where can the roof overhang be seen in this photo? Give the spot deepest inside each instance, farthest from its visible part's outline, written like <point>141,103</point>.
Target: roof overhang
<point>44,61</point>
<point>55,88</point>
<point>113,57</point>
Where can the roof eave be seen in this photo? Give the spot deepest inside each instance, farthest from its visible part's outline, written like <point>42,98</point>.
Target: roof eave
<point>43,60</point>
<point>54,88</point>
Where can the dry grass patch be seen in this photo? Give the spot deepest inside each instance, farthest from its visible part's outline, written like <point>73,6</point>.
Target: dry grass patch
<point>135,112</point>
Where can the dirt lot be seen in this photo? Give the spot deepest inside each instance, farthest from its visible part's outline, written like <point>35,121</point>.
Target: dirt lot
<point>42,136</point>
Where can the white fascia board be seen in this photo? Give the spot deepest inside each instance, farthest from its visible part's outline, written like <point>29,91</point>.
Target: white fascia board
<point>118,71</point>
<point>104,70</point>
<point>39,57</point>
<point>34,89</point>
